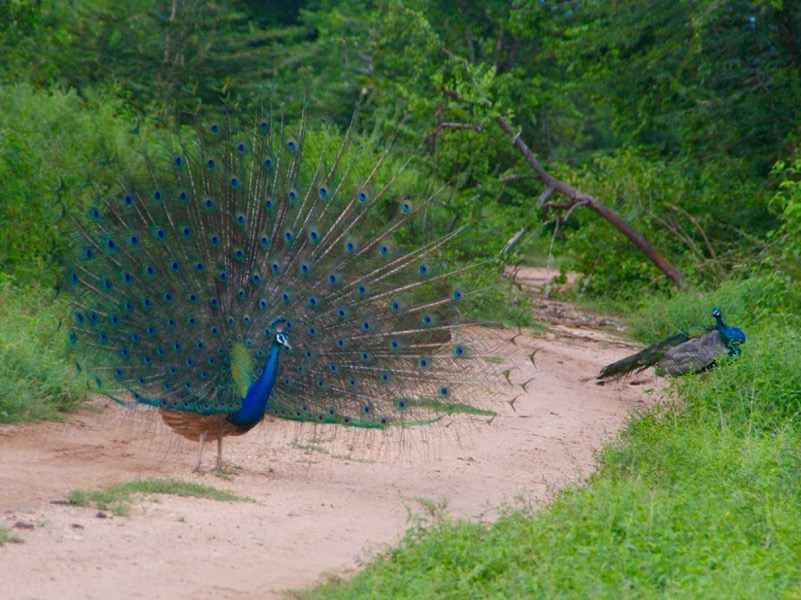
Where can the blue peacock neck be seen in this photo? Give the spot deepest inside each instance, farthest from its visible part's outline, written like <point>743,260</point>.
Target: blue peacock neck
<point>733,337</point>
<point>254,403</point>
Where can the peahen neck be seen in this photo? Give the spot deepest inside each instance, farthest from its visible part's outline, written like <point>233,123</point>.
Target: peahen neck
<point>255,401</point>
<point>733,337</point>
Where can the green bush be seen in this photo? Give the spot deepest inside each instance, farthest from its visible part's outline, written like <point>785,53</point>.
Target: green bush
<point>788,200</point>
<point>767,296</point>
<point>677,210</point>
<point>54,148</point>
<point>37,379</point>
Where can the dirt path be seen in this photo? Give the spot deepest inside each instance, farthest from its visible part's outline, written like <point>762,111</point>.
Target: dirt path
<point>321,505</point>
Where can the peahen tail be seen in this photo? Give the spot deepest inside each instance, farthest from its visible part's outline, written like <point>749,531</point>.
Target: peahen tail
<point>242,277</point>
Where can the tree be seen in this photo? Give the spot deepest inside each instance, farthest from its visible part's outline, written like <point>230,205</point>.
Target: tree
<point>174,57</point>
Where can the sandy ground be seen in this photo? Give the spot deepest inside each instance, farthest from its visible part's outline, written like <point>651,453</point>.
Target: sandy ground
<point>324,503</point>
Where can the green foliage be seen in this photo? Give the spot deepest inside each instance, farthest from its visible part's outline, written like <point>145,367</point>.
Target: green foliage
<point>564,74</point>
<point>788,199</point>
<point>681,76</point>
<point>37,381</point>
<point>703,241</point>
<point>6,537</point>
<point>579,81</point>
<point>763,298</point>
<point>173,58</point>
<point>53,146</point>
<point>544,67</point>
<point>119,497</point>
<point>412,58</point>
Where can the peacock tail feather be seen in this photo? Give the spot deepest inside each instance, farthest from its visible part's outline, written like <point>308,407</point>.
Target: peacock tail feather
<point>691,351</point>
<point>240,278</point>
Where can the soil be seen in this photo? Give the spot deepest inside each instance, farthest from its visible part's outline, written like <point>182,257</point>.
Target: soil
<point>324,501</point>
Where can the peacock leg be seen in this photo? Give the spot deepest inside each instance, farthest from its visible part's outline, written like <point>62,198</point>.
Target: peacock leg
<point>201,439</point>
<point>219,452</point>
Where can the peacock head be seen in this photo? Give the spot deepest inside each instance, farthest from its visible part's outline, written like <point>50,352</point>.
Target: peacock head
<point>733,337</point>
<point>281,338</point>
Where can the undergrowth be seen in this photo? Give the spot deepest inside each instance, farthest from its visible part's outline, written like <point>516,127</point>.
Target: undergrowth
<point>37,380</point>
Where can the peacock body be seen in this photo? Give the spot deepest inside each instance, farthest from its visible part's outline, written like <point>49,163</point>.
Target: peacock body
<point>682,353</point>
<point>239,279</point>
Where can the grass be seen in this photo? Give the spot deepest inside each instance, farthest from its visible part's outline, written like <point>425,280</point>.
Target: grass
<point>6,537</point>
<point>699,498</point>
<point>37,380</point>
<point>717,517</point>
<point>118,498</point>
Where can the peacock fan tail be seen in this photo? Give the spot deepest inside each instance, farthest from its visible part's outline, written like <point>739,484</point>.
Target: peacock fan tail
<point>240,279</point>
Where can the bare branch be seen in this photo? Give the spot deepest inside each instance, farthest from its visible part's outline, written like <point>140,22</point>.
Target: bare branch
<point>458,126</point>
<point>575,195</point>
<point>559,205</point>
<point>544,196</point>
<point>513,240</point>
<point>566,216</point>
<point>700,229</point>
<point>511,178</point>
<point>442,126</point>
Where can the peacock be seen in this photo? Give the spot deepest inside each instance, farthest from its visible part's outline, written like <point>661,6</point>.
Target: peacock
<point>682,353</point>
<point>240,278</point>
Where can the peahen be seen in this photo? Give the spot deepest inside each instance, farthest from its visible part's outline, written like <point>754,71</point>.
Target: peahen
<point>683,352</point>
<point>240,279</point>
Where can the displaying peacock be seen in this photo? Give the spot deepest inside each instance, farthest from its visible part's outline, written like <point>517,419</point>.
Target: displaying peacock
<point>240,279</point>
<point>682,353</point>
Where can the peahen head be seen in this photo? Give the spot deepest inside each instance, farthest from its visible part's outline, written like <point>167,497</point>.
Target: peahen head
<point>733,337</point>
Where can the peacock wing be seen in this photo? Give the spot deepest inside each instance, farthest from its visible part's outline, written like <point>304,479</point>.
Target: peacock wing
<point>694,355</point>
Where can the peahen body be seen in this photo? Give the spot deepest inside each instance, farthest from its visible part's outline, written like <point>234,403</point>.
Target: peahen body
<point>240,279</point>
<point>682,353</point>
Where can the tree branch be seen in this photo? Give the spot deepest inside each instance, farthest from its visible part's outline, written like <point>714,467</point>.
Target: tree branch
<point>700,229</point>
<point>577,197</point>
<point>442,126</point>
